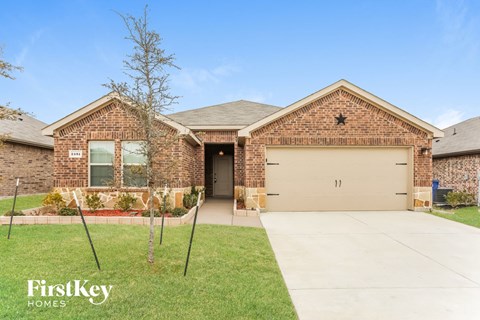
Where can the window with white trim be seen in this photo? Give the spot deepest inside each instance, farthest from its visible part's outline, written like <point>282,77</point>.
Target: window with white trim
<point>101,159</point>
<point>134,164</point>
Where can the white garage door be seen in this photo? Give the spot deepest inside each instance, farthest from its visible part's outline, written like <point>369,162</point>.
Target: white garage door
<point>332,179</point>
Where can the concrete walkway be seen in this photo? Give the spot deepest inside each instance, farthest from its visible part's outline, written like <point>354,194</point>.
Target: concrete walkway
<point>377,265</point>
<point>220,211</point>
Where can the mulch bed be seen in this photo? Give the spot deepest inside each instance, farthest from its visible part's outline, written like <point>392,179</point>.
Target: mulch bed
<point>240,205</point>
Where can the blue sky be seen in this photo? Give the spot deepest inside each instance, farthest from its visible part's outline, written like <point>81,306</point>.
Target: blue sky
<point>422,56</point>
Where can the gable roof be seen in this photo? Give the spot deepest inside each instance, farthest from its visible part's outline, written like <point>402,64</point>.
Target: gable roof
<point>461,138</point>
<point>104,101</point>
<point>353,89</point>
<point>230,115</point>
<point>25,130</point>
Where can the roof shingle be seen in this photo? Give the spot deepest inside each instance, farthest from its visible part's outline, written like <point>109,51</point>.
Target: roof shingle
<point>28,130</point>
<point>237,113</point>
<point>461,138</point>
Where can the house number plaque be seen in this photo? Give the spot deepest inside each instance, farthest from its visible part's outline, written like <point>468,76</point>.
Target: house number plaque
<point>74,153</point>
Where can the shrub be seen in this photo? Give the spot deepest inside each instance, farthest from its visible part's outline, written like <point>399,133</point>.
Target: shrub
<point>125,202</point>
<point>15,213</point>
<point>168,205</point>
<point>93,202</point>
<point>196,191</point>
<point>68,212</point>
<point>178,212</point>
<point>146,213</point>
<point>190,200</point>
<point>54,199</point>
<point>460,198</point>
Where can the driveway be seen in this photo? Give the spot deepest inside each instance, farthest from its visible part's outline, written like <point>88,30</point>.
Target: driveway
<point>377,265</point>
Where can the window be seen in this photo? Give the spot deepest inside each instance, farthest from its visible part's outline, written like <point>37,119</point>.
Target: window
<point>134,164</point>
<point>101,163</point>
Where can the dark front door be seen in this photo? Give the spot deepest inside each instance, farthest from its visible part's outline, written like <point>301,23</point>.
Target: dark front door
<point>223,176</point>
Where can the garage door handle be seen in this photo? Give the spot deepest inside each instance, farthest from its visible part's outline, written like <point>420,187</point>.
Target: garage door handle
<point>340,184</point>
<point>336,183</point>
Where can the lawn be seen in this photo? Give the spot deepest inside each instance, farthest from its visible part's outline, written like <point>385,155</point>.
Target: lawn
<point>23,202</point>
<point>232,274</point>
<point>468,215</point>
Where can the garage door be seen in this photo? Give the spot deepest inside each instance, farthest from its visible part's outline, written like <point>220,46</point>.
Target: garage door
<point>331,179</point>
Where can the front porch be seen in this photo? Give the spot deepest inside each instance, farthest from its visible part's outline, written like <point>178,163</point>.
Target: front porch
<point>220,211</point>
<point>219,170</point>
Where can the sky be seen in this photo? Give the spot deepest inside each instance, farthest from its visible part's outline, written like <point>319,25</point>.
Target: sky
<point>422,56</point>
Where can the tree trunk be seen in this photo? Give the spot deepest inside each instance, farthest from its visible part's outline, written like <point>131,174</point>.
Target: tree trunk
<point>151,256</point>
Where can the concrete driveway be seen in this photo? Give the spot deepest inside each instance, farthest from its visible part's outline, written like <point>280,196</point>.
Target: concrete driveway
<point>377,265</point>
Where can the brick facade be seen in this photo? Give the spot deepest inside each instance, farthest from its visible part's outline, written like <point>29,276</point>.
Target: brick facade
<point>312,125</point>
<point>114,123</point>
<point>458,172</point>
<point>32,164</point>
<point>315,124</point>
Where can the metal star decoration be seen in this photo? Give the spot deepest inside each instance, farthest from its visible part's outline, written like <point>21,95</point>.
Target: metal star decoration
<point>341,119</point>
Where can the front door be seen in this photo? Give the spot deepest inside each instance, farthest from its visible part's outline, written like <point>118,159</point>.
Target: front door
<point>223,176</point>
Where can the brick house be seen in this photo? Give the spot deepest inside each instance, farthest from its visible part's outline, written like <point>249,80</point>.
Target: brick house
<point>26,154</point>
<point>456,157</point>
<point>340,148</point>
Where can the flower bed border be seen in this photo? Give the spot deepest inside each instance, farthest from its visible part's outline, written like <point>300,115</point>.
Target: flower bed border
<point>244,212</point>
<point>169,221</point>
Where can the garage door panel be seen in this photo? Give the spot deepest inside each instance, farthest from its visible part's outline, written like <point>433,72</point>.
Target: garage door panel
<point>312,179</point>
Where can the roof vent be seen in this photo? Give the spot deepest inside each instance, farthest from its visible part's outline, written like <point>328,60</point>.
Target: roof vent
<point>454,131</point>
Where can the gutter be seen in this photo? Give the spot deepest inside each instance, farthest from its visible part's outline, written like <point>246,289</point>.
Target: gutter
<point>30,143</point>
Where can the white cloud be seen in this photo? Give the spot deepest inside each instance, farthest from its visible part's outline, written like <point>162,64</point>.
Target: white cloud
<point>448,118</point>
<point>196,79</point>
<point>34,37</point>
<point>225,70</point>
<point>460,28</point>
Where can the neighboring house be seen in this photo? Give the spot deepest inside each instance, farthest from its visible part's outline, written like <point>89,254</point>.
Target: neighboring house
<point>26,154</point>
<point>340,148</point>
<point>456,157</point>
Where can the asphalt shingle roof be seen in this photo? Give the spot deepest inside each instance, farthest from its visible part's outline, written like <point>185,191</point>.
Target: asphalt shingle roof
<point>28,130</point>
<point>461,138</point>
<point>237,113</point>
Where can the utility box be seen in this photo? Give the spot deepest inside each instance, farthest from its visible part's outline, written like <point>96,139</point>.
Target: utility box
<point>440,195</point>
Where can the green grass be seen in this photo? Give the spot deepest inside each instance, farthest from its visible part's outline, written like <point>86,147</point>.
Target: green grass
<point>23,202</point>
<point>232,273</point>
<point>468,215</point>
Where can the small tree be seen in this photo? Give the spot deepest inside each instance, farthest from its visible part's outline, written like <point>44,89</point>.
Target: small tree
<point>7,113</point>
<point>6,70</point>
<point>146,96</point>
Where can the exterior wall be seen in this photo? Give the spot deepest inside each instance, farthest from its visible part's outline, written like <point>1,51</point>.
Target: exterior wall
<point>187,166</point>
<point>109,197</point>
<point>175,164</point>
<point>33,165</point>
<point>113,123</point>
<point>315,125</point>
<point>458,172</point>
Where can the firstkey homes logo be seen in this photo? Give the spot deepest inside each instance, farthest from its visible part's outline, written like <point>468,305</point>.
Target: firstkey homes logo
<point>42,295</point>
